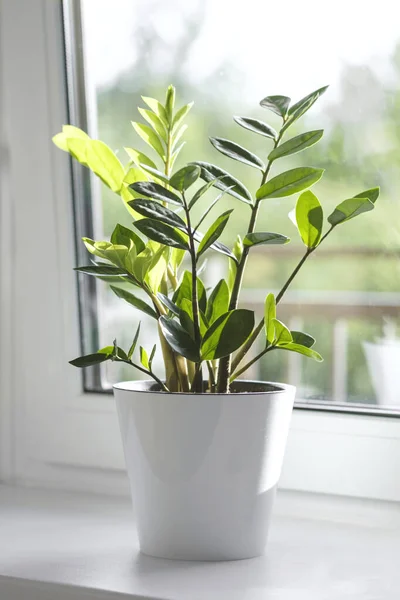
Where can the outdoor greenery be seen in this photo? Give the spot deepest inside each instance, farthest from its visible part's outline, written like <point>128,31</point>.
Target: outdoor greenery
<point>173,212</point>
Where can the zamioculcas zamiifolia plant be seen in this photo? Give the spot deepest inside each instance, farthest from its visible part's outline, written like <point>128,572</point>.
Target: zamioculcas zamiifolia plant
<point>204,334</point>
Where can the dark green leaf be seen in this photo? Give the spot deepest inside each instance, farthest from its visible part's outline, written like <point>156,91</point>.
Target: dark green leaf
<point>218,302</point>
<point>103,269</point>
<point>185,177</point>
<point>264,237</point>
<point>161,233</point>
<point>218,246</point>
<point>123,236</point>
<point>172,307</point>
<point>302,339</point>
<point>278,104</point>
<point>155,210</point>
<point>237,152</point>
<point>184,291</point>
<point>372,194</point>
<point>227,334</point>
<point>155,191</point>
<point>89,360</point>
<point>152,354</point>
<point>134,301</point>
<point>210,207</point>
<point>302,106</point>
<point>179,339</point>
<point>133,346</point>
<point>309,218</point>
<point>302,350</point>
<point>214,232</point>
<point>289,182</point>
<point>296,144</point>
<point>186,317</point>
<point>348,209</point>
<point>224,180</point>
<point>256,126</point>
<point>282,333</point>
<point>270,318</point>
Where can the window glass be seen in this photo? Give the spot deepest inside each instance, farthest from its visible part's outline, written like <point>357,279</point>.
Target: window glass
<point>226,56</point>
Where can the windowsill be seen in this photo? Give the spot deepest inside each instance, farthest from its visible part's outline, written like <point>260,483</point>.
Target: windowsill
<point>72,546</point>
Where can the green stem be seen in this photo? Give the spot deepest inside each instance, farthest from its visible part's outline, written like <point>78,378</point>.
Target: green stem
<point>251,362</point>
<point>147,372</point>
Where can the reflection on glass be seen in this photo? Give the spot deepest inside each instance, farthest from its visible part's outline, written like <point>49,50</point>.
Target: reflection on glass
<point>225,59</point>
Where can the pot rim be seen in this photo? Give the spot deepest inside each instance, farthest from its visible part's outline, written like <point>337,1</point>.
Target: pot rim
<point>144,386</point>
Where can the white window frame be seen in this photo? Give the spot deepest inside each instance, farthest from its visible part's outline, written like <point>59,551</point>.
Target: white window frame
<point>51,433</point>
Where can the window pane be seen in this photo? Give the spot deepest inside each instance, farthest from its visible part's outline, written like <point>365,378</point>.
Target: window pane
<point>226,60</point>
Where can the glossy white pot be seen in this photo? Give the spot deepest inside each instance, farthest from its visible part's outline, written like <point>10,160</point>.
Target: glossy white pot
<point>204,468</point>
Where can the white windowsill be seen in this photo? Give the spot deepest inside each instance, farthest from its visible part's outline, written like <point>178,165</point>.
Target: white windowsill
<point>75,546</point>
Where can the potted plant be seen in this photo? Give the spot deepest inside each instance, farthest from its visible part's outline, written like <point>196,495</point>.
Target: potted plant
<point>203,449</point>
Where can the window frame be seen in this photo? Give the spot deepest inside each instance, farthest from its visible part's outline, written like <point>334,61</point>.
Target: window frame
<point>46,417</point>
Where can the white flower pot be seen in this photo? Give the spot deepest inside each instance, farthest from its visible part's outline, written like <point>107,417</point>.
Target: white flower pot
<point>204,468</point>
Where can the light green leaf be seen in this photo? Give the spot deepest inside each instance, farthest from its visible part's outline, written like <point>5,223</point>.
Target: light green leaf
<point>170,102</point>
<point>157,108</point>
<point>372,194</point>
<point>264,237</point>
<point>180,115</point>
<point>302,106</point>
<point>122,236</point>
<point>278,104</point>
<point>270,318</point>
<point>144,358</point>
<point>309,218</point>
<point>176,153</point>
<point>157,270</point>
<point>177,136</point>
<point>237,251</point>
<point>296,144</point>
<point>223,180</point>
<point>156,174</point>
<point>214,232</point>
<point>100,159</point>
<point>302,350</point>
<point>256,126</point>
<point>282,333</point>
<point>179,339</point>
<point>348,209</point>
<point>155,210</point>
<point>289,182</point>
<point>237,152</point>
<point>134,301</point>
<point>185,177</point>
<point>218,302</point>
<point>155,122</point>
<point>139,158</point>
<point>227,334</point>
<point>151,138</point>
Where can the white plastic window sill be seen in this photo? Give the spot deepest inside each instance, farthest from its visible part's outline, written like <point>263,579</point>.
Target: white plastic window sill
<point>75,546</point>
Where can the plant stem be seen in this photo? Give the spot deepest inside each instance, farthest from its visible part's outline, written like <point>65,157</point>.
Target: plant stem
<point>225,364</point>
<point>251,362</point>
<point>248,344</point>
<point>197,383</point>
<point>147,372</point>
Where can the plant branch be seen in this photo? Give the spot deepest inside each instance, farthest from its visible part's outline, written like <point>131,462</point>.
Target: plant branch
<point>146,371</point>
<point>251,362</point>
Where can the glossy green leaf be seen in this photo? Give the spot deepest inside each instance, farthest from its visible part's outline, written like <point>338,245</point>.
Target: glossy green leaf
<point>162,233</point>
<point>179,339</point>
<point>227,334</point>
<point>152,354</point>
<point>296,144</point>
<point>278,104</point>
<point>172,307</point>
<point>186,317</point>
<point>348,209</point>
<point>282,333</point>
<point>155,122</point>
<point>256,126</point>
<point>90,360</point>
<point>218,302</point>
<point>289,182</point>
<point>157,108</point>
<point>223,180</point>
<point>309,218</point>
<point>218,246</point>
<point>155,210</point>
<point>100,159</point>
<point>155,191</point>
<point>209,208</point>
<point>264,237</point>
<point>184,291</point>
<point>270,318</point>
<point>302,350</point>
<point>237,152</point>
<point>180,115</point>
<point>133,345</point>
<point>155,173</point>
<point>123,236</point>
<point>185,177</point>
<point>201,191</point>
<point>151,138</point>
<point>372,194</point>
<point>101,270</point>
<point>213,232</point>
<point>144,358</point>
<point>299,108</point>
<point>139,158</point>
<point>302,339</point>
<point>134,301</point>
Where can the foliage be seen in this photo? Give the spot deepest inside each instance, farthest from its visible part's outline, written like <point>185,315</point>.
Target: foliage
<point>199,327</point>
